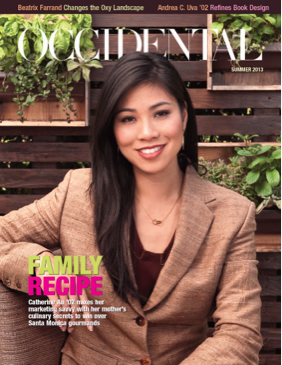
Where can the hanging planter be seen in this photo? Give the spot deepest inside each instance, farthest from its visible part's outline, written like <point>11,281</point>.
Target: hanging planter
<point>45,89</point>
<point>262,36</point>
<point>48,112</point>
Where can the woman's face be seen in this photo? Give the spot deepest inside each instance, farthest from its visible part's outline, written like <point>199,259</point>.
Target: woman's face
<point>149,127</point>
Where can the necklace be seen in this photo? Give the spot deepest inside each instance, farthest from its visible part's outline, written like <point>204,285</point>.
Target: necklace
<point>156,221</point>
<point>140,258</point>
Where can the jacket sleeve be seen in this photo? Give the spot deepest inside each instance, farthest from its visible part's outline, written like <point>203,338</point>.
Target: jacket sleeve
<point>236,339</point>
<point>30,231</point>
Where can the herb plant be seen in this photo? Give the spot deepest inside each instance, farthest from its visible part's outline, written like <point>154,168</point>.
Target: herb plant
<point>231,176</point>
<point>261,29</point>
<point>33,79</point>
<point>263,171</point>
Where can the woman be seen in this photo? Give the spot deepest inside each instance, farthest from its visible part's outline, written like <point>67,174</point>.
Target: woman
<point>176,248</point>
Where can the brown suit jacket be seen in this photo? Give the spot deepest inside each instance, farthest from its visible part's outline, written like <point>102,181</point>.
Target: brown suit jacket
<point>212,268</point>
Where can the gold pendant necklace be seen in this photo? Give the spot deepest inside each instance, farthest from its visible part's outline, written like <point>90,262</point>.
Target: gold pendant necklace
<point>157,222</point>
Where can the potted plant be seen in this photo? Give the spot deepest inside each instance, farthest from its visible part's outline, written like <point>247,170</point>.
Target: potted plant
<point>29,82</point>
<point>262,35</point>
<point>253,171</point>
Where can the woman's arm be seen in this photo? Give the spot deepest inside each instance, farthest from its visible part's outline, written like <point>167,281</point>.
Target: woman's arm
<point>28,232</point>
<point>237,339</point>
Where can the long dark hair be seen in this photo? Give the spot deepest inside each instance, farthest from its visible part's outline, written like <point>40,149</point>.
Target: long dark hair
<point>113,182</point>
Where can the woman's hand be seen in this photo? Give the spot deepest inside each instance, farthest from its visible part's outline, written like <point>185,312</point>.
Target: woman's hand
<point>64,300</point>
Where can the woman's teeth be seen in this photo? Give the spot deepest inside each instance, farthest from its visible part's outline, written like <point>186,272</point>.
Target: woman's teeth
<point>151,150</point>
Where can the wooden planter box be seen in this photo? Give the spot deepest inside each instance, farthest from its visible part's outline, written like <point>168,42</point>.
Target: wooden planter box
<point>214,151</point>
<point>249,75</point>
<point>268,233</point>
<point>47,113</point>
<point>268,221</point>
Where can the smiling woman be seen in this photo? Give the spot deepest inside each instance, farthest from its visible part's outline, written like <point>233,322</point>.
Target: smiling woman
<point>144,113</point>
<point>148,123</point>
<point>176,248</point>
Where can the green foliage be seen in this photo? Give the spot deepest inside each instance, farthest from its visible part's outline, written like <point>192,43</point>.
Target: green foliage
<point>261,29</point>
<point>231,176</point>
<point>83,66</point>
<point>250,172</point>
<point>33,79</point>
<point>263,171</point>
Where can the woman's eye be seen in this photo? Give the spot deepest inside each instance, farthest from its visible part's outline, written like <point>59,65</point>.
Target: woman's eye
<point>162,113</point>
<point>127,119</point>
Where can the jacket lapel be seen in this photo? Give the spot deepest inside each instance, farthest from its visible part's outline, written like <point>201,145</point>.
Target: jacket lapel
<point>134,301</point>
<point>194,221</point>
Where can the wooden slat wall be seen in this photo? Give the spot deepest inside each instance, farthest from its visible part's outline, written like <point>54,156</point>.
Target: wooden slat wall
<point>269,277</point>
<point>46,149</point>
<point>270,280</point>
<point>204,99</point>
<point>265,121</point>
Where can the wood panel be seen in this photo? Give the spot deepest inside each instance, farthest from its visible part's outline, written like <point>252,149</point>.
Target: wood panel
<point>270,61</point>
<point>37,131</point>
<point>268,242</point>
<point>271,285</point>
<point>14,202</point>
<point>43,113</point>
<point>269,359</point>
<point>259,79</point>
<point>43,165</point>
<point>51,111</point>
<point>271,312</point>
<point>268,260</point>
<point>214,153</point>
<point>189,70</point>
<point>271,337</point>
<point>194,44</point>
<point>269,215</point>
<point>44,152</point>
<point>205,99</point>
<point>269,221</point>
<point>31,178</point>
<point>149,20</point>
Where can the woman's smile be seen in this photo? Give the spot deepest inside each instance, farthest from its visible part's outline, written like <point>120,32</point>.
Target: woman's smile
<point>151,152</point>
<point>148,127</point>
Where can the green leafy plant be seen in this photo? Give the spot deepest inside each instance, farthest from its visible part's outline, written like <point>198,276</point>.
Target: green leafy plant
<point>263,171</point>
<point>273,199</point>
<point>254,172</point>
<point>33,79</point>
<point>231,176</point>
<point>261,29</point>
<point>245,137</point>
<point>83,66</point>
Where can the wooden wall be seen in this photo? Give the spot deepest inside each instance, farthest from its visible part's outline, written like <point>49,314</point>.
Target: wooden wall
<point>52,146</point>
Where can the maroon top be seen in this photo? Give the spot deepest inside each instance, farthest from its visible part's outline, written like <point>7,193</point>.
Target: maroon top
<point>147,265</point>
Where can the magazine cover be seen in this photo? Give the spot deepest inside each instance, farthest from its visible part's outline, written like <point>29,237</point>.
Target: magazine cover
<point>140,183</point>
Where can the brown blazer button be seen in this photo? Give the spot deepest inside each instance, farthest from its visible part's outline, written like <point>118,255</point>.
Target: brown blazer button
<point>18,285</point>
<point>7,282</point>
<point>145,361</point>
<point>141,321</point>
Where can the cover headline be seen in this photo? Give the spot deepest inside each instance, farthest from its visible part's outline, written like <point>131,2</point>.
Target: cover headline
<point>72,265</point>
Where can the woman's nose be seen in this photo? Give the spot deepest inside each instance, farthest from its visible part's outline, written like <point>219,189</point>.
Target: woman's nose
<point>147,129</point>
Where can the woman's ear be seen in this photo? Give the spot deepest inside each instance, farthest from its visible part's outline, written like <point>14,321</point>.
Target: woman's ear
<point>184,116</point>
